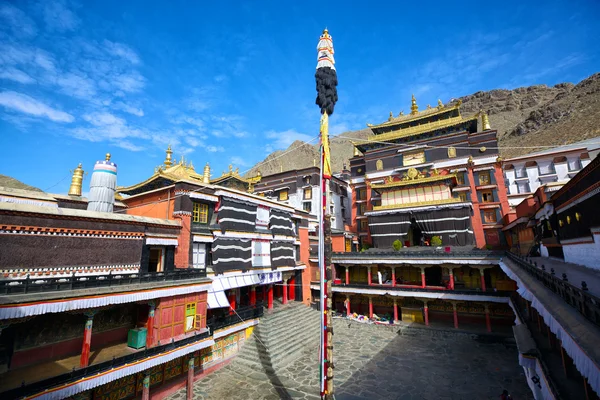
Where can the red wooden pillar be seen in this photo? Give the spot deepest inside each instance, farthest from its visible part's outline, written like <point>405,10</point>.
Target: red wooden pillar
<point>347,276</point>
<point>451,278</point>
<point>488,323</point>
<point>455,315</point>
<point>146,388</point>
<point>422,277</point>
<point>393,276</point>
<point>395,310</point>
<point>369,277</point>
<point>426,313</point>
<point>231,301</point>
<point>481,272</point>
<point>370,307</point>
<point>270,297</point>
<point>348,313</point>
<point>190,380</point>
<point>87,340</point>
<point>284,299</point>
<point>252,295</point>
<point>150,325</point>
<point>292,289</point>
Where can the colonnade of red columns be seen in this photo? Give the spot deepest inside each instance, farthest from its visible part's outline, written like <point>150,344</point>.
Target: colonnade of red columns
<point>423,278</point>
<point>488,323</point>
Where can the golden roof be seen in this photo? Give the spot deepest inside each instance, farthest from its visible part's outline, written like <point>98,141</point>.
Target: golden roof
<point>407,181</point>
<point>414,130</point>
<point>416,114</point>
<point>179,171</point>
<point>235,173</point>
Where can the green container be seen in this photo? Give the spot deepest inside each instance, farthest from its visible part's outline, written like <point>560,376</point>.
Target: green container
<point>137,338</point>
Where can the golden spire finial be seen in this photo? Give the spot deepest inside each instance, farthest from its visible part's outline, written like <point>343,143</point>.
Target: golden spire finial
<point>230,168</point>
<point>191,166</point>
<point>168,161</point>
<point>325,32</point>
<point>107,157</point>
<point>391,116</point>
<point>206,176</point>
<point>414,108</point>
<point>440,104</point>
<point>76,181</point>
<point>485,121</point>
<point>401,113</point>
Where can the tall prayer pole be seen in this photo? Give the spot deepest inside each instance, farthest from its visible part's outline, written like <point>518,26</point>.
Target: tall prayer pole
<point>326,78</point>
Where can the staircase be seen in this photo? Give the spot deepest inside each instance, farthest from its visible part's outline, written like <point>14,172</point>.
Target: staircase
<point>286,332</point>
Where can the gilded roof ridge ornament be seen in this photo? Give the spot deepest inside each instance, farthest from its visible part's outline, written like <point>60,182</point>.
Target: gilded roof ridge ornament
<point>391,117</point>
<point>414,108</point>
<point>401,113</point>
<point>440,104</point>
<point>168,159</point>
<point>107,157</point>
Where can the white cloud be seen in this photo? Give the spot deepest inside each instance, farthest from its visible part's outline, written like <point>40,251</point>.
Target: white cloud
<point>76,85</point>
<point>214,149</point>
<point>17,21</point>
<point>58,17</point>
<point>102,119</point>
<point>129,82</point>
<point>123,51</point>
<point>16,75</point>
<point>283,140</point>
<point>239,161</point>
<point>28,105</point>
<point>119,105</point>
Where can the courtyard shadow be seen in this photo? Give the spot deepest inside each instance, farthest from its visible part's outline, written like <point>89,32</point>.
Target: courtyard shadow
<point>268,368</point>
<point>383,362</point>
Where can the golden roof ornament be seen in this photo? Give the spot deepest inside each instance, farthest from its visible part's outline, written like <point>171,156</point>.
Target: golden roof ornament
<point>429,106</point>
<point>401,113</point>
<point>168,160</point>
<point>485,121</point>
<point>191,166</point>
<point>206,176</point>
<point>391,117</point>
<point>76,181</point>
<point>107,158</point>
<point>440,104</point>
<point>414,108</point>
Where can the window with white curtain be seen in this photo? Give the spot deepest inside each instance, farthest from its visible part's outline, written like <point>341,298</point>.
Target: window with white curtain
<point>261,253</point>
<point>546,167</point>
<point>199,255</point>
<point>574,164</point>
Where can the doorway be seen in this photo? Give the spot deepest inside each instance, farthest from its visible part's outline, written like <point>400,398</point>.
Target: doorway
<point>414,234</point>
<point>433,276</point>
<point>157,260</point>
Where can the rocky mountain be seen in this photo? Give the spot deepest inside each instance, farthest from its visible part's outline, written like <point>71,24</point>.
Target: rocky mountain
<point>8,182</point>
<point>524,118</point>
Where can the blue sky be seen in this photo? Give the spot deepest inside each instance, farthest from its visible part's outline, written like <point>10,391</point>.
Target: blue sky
<point>228,82</point>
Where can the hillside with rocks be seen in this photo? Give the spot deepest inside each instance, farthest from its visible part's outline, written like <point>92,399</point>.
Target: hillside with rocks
<point>524,118</point>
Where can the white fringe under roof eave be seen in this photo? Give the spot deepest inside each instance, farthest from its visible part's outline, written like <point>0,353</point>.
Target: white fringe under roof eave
<point>20,311</point>
<point>440,295</point>
<point>252,199</point>
<point>419,208</point>
<point>584,364</point>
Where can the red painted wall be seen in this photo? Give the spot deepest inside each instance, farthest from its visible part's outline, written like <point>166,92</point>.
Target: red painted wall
<point>182,251</point>
<point>170,315</point>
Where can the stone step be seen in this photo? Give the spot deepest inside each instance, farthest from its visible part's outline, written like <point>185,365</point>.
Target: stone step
<point>254,348</point>
<point>285,313</point>
<point>276,356</point>
<point>308,322</point>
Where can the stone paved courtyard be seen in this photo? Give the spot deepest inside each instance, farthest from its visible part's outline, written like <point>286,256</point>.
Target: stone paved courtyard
<point>376,362</point>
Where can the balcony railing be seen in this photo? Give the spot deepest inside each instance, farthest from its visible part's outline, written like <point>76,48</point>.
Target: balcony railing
<point>587,304</point>
<point>216,323</point>
<point>44,284</point>
<point>405,288</point>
